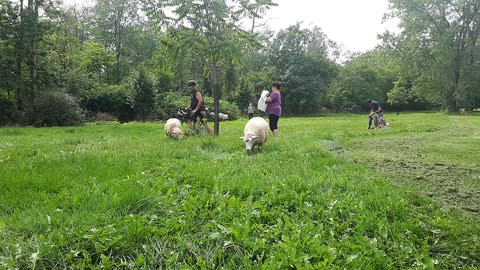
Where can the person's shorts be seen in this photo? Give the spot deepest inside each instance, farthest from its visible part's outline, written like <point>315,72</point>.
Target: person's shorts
<point>202,114</point>
<point>273,121</point>
<point>377,116</point>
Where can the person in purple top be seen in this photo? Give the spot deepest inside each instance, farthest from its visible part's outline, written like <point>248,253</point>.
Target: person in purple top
<point>274,107</point>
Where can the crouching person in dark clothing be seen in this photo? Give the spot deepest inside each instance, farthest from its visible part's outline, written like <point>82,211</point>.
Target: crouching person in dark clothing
<point>376,114</point>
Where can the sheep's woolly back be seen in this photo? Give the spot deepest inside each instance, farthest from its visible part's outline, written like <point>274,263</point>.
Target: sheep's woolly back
<point>257,126</point>
<point>173,128</point>
<point>223,116</point>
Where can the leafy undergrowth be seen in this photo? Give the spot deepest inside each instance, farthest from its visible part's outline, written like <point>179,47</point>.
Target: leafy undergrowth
<point>126,197</point>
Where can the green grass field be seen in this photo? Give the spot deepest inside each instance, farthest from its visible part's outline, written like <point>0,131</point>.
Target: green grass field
<point>329,194</point>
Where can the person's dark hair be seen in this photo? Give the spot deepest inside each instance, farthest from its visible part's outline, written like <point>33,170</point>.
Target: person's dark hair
<point>277,85</point>
<point>192,82</point>
<point>369,100</point>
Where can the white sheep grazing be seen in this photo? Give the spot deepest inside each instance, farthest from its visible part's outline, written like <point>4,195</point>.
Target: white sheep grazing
<point>223,116</point>
<point>255,133</point>
<point>173,128</point>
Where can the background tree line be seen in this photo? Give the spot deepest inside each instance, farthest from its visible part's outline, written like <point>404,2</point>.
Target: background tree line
<point>131,60</point>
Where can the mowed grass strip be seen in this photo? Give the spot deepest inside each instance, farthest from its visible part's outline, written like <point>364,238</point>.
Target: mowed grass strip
<point>442,163</point>
<point>124,196</point>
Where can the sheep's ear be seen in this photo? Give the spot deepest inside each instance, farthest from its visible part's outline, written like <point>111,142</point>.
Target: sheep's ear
<point>254,137</point>
<point>243,138</point>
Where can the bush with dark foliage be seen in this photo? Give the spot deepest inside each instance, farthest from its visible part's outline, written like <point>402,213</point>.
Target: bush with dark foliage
<point>9,114</point>
<point>54,109</point>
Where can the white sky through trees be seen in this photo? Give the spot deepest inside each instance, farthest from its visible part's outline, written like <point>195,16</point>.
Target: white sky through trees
<point>354,24</point>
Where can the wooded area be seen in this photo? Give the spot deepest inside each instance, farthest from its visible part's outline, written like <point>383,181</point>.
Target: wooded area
<point>131,60</point>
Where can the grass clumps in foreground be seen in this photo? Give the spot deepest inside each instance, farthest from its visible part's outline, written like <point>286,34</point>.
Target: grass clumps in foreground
<point>125,196</point>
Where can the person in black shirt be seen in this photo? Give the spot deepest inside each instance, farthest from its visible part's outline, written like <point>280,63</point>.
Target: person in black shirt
<point>197,106</point>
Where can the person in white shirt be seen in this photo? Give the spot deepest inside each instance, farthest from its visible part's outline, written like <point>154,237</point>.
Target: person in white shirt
<point>251,110</point>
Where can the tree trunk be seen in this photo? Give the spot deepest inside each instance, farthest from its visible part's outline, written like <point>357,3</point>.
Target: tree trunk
<point>33,11</point>
<point>452,96</point>
<point>452,105</point>
<point>117,77</point>
<point>19,55</point>
<point>451,100</point>
<point>118,41</point>
<point>64,47</point>
<point>216,100</point>
<point>117,51</point>
<point>253,25</point>
<point>33,71</point>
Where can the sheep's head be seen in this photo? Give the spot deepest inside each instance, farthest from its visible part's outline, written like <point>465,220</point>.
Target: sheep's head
<point>249,142</point>
<point>177,134</point>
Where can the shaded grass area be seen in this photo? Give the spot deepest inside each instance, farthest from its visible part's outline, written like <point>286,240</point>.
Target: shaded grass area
<point>124,196</point>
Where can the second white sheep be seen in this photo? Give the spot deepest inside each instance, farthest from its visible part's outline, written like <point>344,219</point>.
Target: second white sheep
<point>173,128</point>
<point>255,133</point>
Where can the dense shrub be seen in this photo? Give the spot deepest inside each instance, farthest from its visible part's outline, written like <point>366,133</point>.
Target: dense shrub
<point>144,97</point>
<point>9,114</point>
<point>54,109</point>
<point>100,116</point>
<point>169,103</point>
<point>112,99</point>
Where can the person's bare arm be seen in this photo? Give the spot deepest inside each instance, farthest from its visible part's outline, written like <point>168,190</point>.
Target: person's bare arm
<point>377,111</point>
